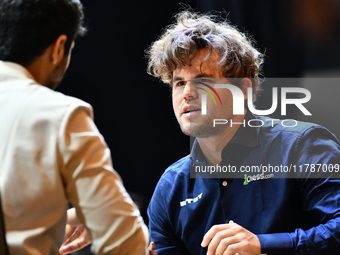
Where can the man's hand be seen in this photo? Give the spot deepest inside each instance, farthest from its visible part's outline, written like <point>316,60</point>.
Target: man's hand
<point>76,238</point>
<point>231,239</point>
<point>152,248</point>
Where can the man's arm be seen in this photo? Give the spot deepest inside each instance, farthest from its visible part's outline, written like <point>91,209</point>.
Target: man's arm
<point>77,237</point>
<point>161,232</point>
<point>321,204</point>
<point>95,189</point>
<point>320,198</point>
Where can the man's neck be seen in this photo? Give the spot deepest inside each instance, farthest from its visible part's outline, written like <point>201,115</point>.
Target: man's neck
<point>212,146</point>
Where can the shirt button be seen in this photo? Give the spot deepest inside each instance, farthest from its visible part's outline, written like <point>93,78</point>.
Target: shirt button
<point>224,183</point>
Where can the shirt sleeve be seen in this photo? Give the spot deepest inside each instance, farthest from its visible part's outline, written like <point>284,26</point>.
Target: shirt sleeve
<point>95,189</point>
<point>161,232</point>
<point>320,196</point>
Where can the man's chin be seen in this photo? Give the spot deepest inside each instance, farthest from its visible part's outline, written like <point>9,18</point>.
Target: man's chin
<point>200,131</point>
<point>185,130</point>
<point>193,130</point>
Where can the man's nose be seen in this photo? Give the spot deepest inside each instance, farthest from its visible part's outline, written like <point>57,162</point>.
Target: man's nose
<point>189,92</point>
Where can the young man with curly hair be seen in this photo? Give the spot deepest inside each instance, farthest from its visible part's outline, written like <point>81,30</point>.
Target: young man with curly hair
<point>227,215</point>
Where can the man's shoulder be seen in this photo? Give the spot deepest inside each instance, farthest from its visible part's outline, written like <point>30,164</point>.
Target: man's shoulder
<point>37,97</point>
<point>28,90</point>
<point>56,97</point>
<point>34,104</point>
<point>289,128</point>
<point>297,137</point>
<point>175,175</point>
<point>174,187</point>
<point>178,170</point>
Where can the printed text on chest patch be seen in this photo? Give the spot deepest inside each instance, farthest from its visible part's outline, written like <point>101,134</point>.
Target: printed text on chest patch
<point>191,200</point>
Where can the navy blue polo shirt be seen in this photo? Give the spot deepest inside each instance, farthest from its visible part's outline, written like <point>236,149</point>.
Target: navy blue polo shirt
<point>289,215</point>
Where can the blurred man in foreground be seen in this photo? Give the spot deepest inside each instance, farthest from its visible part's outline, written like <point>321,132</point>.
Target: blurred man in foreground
<point>226,214</point>
<point>50,150</point>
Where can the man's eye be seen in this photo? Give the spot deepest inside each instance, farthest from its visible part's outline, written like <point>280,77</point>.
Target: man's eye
<point>206,81</point>
<point>180,84</point>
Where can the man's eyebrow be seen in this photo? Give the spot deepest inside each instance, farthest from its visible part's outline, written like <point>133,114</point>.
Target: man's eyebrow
<point>201,75</point>
<point>177,78</point>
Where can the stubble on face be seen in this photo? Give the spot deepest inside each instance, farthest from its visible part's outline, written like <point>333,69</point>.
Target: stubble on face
<point>203,129</point>
<point>198,125</point>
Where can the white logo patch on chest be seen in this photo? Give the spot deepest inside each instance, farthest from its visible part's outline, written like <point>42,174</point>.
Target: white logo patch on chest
<point>191,200</point>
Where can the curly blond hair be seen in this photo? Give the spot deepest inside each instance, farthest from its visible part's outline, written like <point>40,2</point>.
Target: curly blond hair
<point>190,32</point>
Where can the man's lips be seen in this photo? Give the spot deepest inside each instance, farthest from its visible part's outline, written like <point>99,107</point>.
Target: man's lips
<point>188,109</point>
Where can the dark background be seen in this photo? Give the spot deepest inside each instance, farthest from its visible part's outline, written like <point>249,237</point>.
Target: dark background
<point>133,110</point>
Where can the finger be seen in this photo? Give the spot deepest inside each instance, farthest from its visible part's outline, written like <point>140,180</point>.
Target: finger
<point>226,244</point>
<point>221,238</point>
<point>64,249</point>
<point>78,231</point>
<point>68,231</point>
<point>233,249</point>
<point>152,246</point>
<point>73,246</point>
<point>212,232</point>
<point>245,245</point>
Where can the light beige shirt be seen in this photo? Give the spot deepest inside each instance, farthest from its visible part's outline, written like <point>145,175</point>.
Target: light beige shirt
<point>51,152</point>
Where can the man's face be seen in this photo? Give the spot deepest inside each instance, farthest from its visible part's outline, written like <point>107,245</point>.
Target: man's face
<point>57,74</point>
<point>186,97</point>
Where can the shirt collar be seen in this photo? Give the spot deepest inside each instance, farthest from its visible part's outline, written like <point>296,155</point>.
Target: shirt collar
<point>246,136</point>
<point>14,69</point>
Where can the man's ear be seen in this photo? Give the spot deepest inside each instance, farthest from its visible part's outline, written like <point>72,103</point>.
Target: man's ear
<point>245,84</point>
<point>58,49</point>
